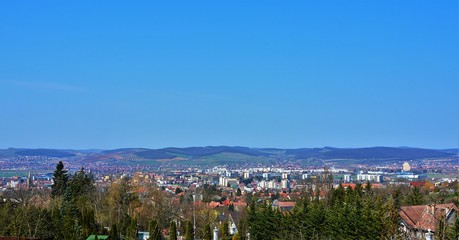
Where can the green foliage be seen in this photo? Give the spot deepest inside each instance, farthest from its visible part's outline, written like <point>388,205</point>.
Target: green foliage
<point>189,233</point>
<point>415,197</point>
<point>346,214</point>
<point>131,230</point>
<point>60,179</point>
<point>155,230</point>
<point>113,235</point>
<point>236,237</point>
<point>208,192</point>
<point>207,233</point>
<point>453,231</point>
<point>173,231</point>
<point>224,230</point>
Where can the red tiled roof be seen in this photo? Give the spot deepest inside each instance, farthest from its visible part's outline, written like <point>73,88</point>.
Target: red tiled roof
<point>348,185</point>
<point>425,217</point>
<point>227,202</point>
<point>286,204</point>
<point>214,204</point>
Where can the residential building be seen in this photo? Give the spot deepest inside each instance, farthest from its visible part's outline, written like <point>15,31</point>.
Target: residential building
<point>422,220</point>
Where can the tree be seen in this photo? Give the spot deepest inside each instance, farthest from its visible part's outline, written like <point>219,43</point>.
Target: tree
<point>414,197</point>
<point>236,237</point>
<point>453,231</point>
<point>173,231</point>
<point>60,179</point>
<point>207,233</point>
<point>238,192</point>
<point>189,233</point>
<point>113,235</point>
<point>155,231</point>
<point>224,230</point>
<point>131,231</point>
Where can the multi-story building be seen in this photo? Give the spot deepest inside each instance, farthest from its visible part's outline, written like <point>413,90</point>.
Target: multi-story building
<point>369,177</point>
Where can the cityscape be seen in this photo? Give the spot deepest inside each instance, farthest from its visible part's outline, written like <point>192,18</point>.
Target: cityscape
<point>229,120</point>
<point>225,188</point>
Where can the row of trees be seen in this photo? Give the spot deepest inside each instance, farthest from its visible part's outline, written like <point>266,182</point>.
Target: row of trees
<point>68,215</point>
<point>358,213</point>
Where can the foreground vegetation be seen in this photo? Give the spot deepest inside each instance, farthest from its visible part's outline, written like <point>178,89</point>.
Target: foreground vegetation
<point>75,209</point>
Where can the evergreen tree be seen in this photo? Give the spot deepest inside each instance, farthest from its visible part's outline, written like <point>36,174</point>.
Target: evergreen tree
<point>453,231</point>
<point>391,220</point>
<point>207,233</point>
<point>60,179</point>
<point>224,230</point>
<point>173,231</point>
<point>155,231</point>
<point>131,231</point>
<point>414,197</point>
<point>238,192</point>
<point>189,233</point>
<point>441,229</point>
<point>113,235</point>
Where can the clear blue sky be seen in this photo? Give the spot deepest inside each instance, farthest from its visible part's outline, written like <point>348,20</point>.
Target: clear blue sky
<point>109,74</point>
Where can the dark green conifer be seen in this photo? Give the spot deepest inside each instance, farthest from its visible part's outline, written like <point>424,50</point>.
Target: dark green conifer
<point>60,179</point>
<point>113,235</point>
<point>189,233</point>
<point>207,233</point>
<point>173,231</point>
<point>155,231</point>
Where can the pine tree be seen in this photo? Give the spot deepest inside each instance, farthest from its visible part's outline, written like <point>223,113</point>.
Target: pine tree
<point>60,179</point>
<point>155,231</point>
<point>189,233</point>
<point>113,235</point>
<point>453,231</point>
<point>173,231</point>
<point>224,230</point>
<point>131,231</point>
<point>207,233</point>
<point>414,197</point>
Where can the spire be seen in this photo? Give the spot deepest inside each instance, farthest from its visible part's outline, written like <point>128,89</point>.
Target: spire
<point>29,180</point>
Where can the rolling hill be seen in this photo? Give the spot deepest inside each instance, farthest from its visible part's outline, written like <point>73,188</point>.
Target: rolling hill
<point>209,152</point>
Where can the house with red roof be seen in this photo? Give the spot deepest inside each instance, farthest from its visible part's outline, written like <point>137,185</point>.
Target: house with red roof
<point>421,221</point>
<point>283,206</point>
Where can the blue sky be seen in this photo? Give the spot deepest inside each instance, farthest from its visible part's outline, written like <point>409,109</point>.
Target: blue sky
<point>109,74</point>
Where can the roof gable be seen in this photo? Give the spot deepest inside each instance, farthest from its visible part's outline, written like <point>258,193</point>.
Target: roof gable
<point>425,217</point>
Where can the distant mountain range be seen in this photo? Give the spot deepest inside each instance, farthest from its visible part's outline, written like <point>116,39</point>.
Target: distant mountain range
<point>374,153</point>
